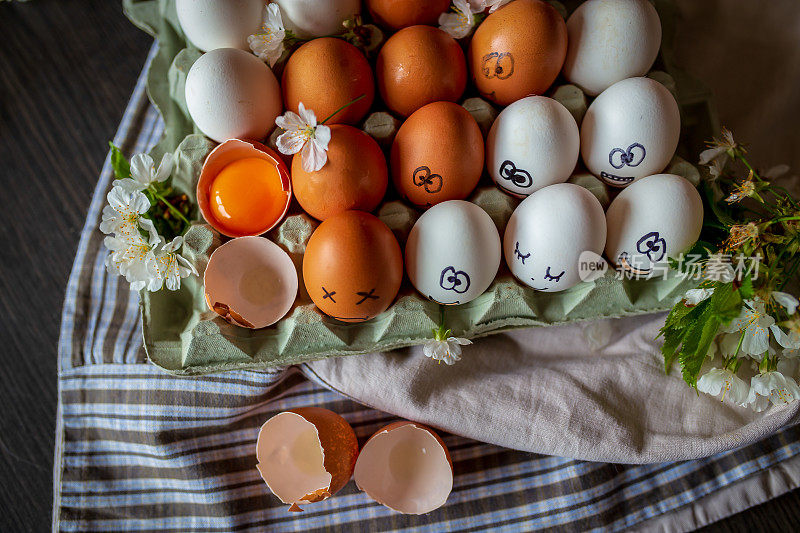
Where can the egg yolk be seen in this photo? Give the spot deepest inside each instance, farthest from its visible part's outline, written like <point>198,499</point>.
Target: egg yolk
<point>247,196</point>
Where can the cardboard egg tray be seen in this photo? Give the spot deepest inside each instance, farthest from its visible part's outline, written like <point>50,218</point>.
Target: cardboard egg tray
<point>182,336</point>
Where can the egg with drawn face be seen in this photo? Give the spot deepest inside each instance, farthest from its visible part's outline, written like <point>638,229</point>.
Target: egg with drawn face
<point>453,252</point>
<point>352,266</point>
<point>656,218</point>
<point>548,232</point>
<point>630,131</point>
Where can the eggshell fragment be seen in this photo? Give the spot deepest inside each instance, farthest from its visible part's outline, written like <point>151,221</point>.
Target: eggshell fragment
<point>306,455</point>
<point>314,18</point>
<point>211,24</point>
<point>437,155</point>
<point>609,41</point>
<point>397,14</point>
<point>250,282</point>
<point>226,153</point>
<point>406,467</point>
<point>326,74</point>
<point>231,94</point>
<point>518,51</point>
<point>419,65</point>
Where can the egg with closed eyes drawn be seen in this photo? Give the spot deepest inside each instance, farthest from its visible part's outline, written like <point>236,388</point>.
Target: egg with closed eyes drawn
<point>548,232</point>
<point>630,131</point>
<point>453,252</point>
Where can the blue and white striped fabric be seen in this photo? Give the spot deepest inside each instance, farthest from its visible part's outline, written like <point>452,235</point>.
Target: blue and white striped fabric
<point>137,449</point>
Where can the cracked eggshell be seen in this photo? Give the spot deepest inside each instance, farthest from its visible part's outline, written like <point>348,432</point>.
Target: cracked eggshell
<point>653,219</point>
<point>220,157</point>
<point>534,143</point>
<point>306,455</point>
<point>406,467</point>
<point>211,24</point>
<point>316,18</point>
<point>352,266</point>
<point>453,252</point>
<point>548,232</point>
<point>609,41</point>
<point>518,51</point>
<point>630,131</point>
<point>250,282</point>
<point>231,94</point>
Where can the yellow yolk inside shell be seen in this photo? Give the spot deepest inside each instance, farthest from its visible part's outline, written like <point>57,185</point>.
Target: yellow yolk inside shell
<point>247,196</point>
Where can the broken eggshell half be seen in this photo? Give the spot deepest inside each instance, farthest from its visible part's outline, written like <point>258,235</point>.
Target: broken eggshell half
<point>233,151</point>
<point>306,455</point>
<point>250,282</point>
<point>406,467</point>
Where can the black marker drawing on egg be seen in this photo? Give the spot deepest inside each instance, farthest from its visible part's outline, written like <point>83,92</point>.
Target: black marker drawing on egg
<point>454,280</point>
<point>498,65</point>
<point>328,295</point>
<point>432,183</point>
<point>522,257</point>
<point>519,177</point>
<point>366,296</point>
<point>653,246</point>
<point>549,277</point>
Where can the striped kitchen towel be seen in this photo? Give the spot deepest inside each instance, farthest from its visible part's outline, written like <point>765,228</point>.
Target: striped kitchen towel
<point>137,449</point>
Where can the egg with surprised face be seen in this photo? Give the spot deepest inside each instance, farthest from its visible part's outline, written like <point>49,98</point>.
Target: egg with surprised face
<point>630,131</point>
<point>453,252</point>
<point>656,218</point>
<point>352,267</point>
<point>549,231</point>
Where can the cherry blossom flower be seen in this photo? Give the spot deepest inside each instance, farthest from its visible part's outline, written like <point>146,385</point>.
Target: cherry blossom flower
<point>723,383</point>
<point>743,190</point>
<point>772,387</point>
<point>131,257</point>
<point>267,43</point>
<point>494,5</point>
<point>302,134</point>
<point>719,149</point>
<point>144,173</point>
<point>447,349</point>
<point>123,214</point>
<point>168,267</point>
<point>460,20</point>
<point>754,324</point>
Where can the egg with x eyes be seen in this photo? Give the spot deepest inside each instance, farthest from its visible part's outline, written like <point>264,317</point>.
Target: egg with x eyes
<point>453,252</point>
<point>352,266</point>
<point>548,232</point>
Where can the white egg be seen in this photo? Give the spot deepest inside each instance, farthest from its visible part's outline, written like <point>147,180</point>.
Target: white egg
<point>609,41</point>
<point>656,218</point>
<point>231,94</point>
<point>317,18</point>
<point>630,131</point>
<point>533,143</point>
<point>453,252</point>
<point>211,24</point>
<point>548,232</point>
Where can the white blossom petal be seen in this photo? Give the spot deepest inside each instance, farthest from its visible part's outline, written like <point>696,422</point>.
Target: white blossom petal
<point>786,300</point>
<point>308,116</point>
<point>164,168</point>
<point>707,156</point>
<point>695,296</point>
<point>313,157</point>
<point>142,168</point>
<point>722,383</point>
<point>775,387</point>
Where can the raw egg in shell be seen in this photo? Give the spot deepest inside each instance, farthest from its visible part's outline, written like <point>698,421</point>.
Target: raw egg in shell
<point>352,266</point>
<point>518,51</point>
<point>437,155</point>
<point>419,65</point>
<point>244,188</point>
<point>397,14</point>
<point>354,177</point>
<point>211,24</point>
<point>250,282</point>
<point>326,74</point>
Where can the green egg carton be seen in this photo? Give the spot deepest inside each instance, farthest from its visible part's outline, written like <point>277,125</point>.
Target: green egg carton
<point>182,336</point>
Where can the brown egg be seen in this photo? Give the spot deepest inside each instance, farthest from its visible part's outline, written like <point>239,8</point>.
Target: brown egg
<point>419,65</point>
<point>397,14</point>
<point>353,266</point>
<point>518,51</point>
<point>437,155</point>
<point>354,177</point>
<point>326,74</point>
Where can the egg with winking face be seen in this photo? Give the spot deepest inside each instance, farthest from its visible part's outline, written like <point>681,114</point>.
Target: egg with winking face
<point>548,232</point>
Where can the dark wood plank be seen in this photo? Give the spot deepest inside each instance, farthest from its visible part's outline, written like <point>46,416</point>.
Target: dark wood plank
<point>67,69</point>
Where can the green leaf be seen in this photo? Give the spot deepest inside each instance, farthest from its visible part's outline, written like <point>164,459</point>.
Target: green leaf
<point>698,340</point>
<point>746,290</point>
<point>122,169</point>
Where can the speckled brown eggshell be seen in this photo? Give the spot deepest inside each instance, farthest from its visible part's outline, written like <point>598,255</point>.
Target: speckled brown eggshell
<point>419,65</point>
<point>352,267</point>
<point>354,177</point>
<point>397,14</point>
<point>518,51</point>
<point>326,74</point>
<point>437,155</point>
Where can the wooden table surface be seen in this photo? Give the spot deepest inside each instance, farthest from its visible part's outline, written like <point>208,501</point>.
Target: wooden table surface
<point>67,68</point>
